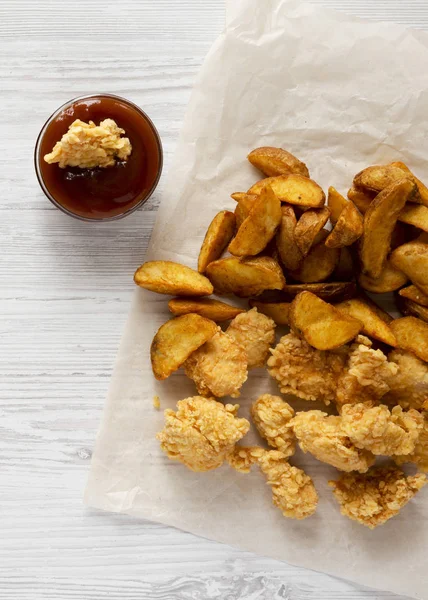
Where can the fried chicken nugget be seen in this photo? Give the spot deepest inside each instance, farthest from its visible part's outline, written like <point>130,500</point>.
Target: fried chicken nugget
<point>271,416</point>
<point>219,367</point>
<point>201,433</point>
<point>373,498</point>
<point>409,385</point>
<point>323,436</point>
<point>381,431</point>
<point>420,454</point>
<point>305,372</point>
<point>256,333</point>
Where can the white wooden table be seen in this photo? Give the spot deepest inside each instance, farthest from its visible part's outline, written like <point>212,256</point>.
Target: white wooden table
<point>65,289</point>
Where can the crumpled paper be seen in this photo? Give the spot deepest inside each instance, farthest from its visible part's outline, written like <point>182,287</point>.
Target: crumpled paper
<point>340,93</point>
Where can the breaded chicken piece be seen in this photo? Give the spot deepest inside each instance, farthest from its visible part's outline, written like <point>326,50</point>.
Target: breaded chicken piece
<point>254,332</point>
<point>293,492</point>
<point>381,431</point>
<point>305,372</point>
<point>271,416</point>
<point>244,457</point>
<point>219,367</point>
<point>366,375</point>
<point>420,454</point>
<point>323,436</point>
<point>373,498</point>
<point>409,386</point>
<point>202,433</point>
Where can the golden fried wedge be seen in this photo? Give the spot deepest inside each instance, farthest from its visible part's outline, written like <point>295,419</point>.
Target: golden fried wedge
<point>361,198</point>
<point>390,279</point>
<point>422,188</point>
<point>308,226</point>
<point>331,292</point>
<point>413,293</point>
<point>259,227</point>
<point>288,251</point>
<point>276,161</point>
<point>278,311</point>
<point>205,307</point>
<point>412,335</point>
<point>416,215</point>
<point>412,259</point>
<point>245,277</point>
<point>379,223</point>
<point>410,308</point>
<point>318,265</point>
<point>348,229</point>
<point>294,189</point>
<point>166,277</point>
<point>374,325</point>
<point>175,341</point>
<point>323,326</point>
<point>243,196</point>
<point>380,177</point>
<point>218,235</point>
<point>243,208</point>
<point>336,203</point>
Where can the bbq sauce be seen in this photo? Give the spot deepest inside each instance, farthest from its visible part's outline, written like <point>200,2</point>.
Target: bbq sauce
<point>100,193</point>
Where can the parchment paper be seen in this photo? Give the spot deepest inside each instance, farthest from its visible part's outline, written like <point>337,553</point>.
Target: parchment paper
<point>340,93</point>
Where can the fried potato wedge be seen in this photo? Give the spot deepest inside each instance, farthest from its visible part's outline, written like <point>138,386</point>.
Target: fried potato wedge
<point>243,208</point>
<point>412,260</point>
<point>422,188</point>
<point>278,311</point>
<point>243,196</point>
<point>167,277</point>
<point>390,279</point>
<point>331,292</point>
<point>205,307</point>
<point>374,325</point>
<point>259,227</point>
<point>175,341</point>
<point>345,269</point>
<point>348,229</point>
<point>380,177</point>
<point>288,251</point>
<point>308,226</point>
<point>379,223</point>
<point>294,189</point>
<point>412,335</point>
<point>219,234</point>
<point>245,277</point>
<point>416,215</point>
<point>410,308</point>
<point>318,265</point>
<point>276,161</point>
<point>336,203</point>
<point>323,326</point>
<point>413,293</point>
<point>361,198</point>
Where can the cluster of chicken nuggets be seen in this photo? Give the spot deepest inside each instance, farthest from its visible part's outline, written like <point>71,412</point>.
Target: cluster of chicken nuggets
<point>371,373</point>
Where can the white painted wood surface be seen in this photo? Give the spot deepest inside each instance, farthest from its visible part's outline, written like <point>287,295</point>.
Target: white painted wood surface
<point>64,296</point>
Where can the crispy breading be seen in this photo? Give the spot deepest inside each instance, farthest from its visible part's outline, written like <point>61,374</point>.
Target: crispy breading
<point>365,376</point>
<point>409,385</point>
<point>271,415</point>
<point>256,333</point>
<point>293,492</point>
<point>381,431</point>
<point>323,436</point>
<point>420,455</point>
<point>201,433</point>
<point>305,372</point>
<point>219,367</point>
<point>373,498</point>
<point>242,458</point>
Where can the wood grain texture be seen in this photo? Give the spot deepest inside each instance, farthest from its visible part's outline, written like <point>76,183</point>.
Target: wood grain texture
<point>64,296</point>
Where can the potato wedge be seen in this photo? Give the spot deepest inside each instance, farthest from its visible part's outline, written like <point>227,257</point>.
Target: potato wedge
<point>336,203</point>
<point>413,293</point>
<point>331,292</point>
<point>294,189</point>
<point>205,307</point>
<point>243,196</point>
<point>390,279</point>
<point>412,309</point>
<point>276,161</point>
<point>379,223</point>
<point>278,311</point>
<point>318,265</point>
<point>345,269</point>
<point>308,227</point>
<point>259,227</point>
<point>361,198</point>
<point>373,324</point>
<point>416,215</point>
<point>422,188</point>
<point>380,177</point>
<point>412,335</point>
<point>288,251</point>
<point>245,277</point>
<point>219,234</point>
<point>243,208</point>
<point>166,277</point>
<point>348,229</point>
<point>412,260</point>
<point>323,326</point>
<point>175,341</point>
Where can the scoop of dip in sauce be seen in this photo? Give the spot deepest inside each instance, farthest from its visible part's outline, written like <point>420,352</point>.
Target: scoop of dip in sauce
<point>104,166</point>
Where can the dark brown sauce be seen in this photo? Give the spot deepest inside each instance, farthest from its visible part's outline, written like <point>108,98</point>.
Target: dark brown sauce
<point>103,192</point>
